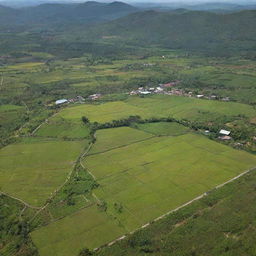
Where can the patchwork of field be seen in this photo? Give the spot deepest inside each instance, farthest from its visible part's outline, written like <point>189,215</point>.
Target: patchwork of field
<point>151,177</point>
<point>141,178</point>
<point>158,106</point>
<point>33,168</point>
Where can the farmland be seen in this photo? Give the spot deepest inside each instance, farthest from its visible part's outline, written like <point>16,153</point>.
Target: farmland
<point>141,177</point>
<point>142,170</point>
<point>219,224</point>
<point>34,168</point>
<point>59,128</point>
<point>158,106</point>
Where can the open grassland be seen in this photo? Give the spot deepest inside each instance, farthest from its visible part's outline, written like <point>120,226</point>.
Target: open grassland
<point>60,128</point>
<point>33,168</point>
<point>163,128</point>
<point>86,228</point>
<point>158,106</point>
<point>138,183</point>
<point>113,138</point>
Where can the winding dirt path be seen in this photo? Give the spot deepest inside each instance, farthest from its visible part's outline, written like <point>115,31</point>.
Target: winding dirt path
<point>20,200</point>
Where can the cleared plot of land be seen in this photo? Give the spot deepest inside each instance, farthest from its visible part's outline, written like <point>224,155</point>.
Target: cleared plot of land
<point>112,138</point>
<point>164,128</point>
<point>158,106</point>
<point>87,228</point>
<point>57,127</point>
<point>151,177</point>
<point>32,169</point>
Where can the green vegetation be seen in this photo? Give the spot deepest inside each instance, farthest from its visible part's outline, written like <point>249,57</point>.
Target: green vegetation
<point>163,128</point>
<point>222,223</point>
<point>158,106</point>
<point>116,138</point>
<point>78,175</point>
<point>141,181</point>
<point>57,127</point>
<point>14,228</point>
<point>86,228</point>
<point>34,168</point>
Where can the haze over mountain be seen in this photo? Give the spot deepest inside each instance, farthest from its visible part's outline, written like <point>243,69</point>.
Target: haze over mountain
<point>88,12</point>
<point>173,3</point>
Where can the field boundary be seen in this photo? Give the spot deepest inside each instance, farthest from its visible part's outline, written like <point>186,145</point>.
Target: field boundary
<point>20,200</point>
<point>53,194</point>
<point>176,209</point>
<point>122,146</point>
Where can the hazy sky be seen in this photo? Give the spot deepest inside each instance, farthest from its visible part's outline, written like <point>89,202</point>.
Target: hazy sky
<point>131,1</point>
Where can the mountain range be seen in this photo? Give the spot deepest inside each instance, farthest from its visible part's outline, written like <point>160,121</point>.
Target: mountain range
<point>88,12</point>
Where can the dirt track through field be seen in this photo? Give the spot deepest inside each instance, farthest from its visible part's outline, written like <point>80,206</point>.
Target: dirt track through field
<point>176,209</point>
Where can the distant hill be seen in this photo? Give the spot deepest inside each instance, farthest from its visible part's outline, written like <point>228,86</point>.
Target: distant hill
<point>184,29</point>
<point>88,12</point>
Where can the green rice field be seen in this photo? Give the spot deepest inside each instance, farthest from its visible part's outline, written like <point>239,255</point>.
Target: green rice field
<point>163,128</point>
<point>33,168</point>
<point>114,138</point>
<point>60,128</point>
<point>158,106</point>
<point>141,178</point>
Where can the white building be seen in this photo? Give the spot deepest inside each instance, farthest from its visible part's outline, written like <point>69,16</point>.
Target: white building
<point>62,101</point>
<point>224,132</point>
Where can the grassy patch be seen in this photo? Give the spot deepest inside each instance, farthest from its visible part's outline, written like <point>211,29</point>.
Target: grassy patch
<point>86,228</point>
<point>116,137</point>
<point>158,106</point>
<point>60,128</point>
<point>163,128</point>
<point>32,169</point>
<point>223,223</point>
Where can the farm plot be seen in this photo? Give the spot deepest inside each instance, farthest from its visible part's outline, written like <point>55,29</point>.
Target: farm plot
<point>158,106</point>
<point>163,128</point>
<point>139,182</point>
<point>113,138</point>
<point>87,228</point>
<point>144,180</point>
<point>32,169</point>
<point>60,128</point>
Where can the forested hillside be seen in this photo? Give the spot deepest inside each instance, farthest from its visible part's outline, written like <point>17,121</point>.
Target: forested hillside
<point>53,14</point>
<point>70,30</point>
<point>191,30</point>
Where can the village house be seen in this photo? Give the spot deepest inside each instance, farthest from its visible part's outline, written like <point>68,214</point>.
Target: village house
<point>225,137</point>
<point>171,84</point>
<point>145,92</point>
<point>61,101</point>
<point>94,96</point>
<point>225,99</point>
<point>224,132</point>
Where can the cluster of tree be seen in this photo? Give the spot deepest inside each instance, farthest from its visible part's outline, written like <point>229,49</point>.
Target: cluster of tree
<point>14,230</point>
<point>80,184</point>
